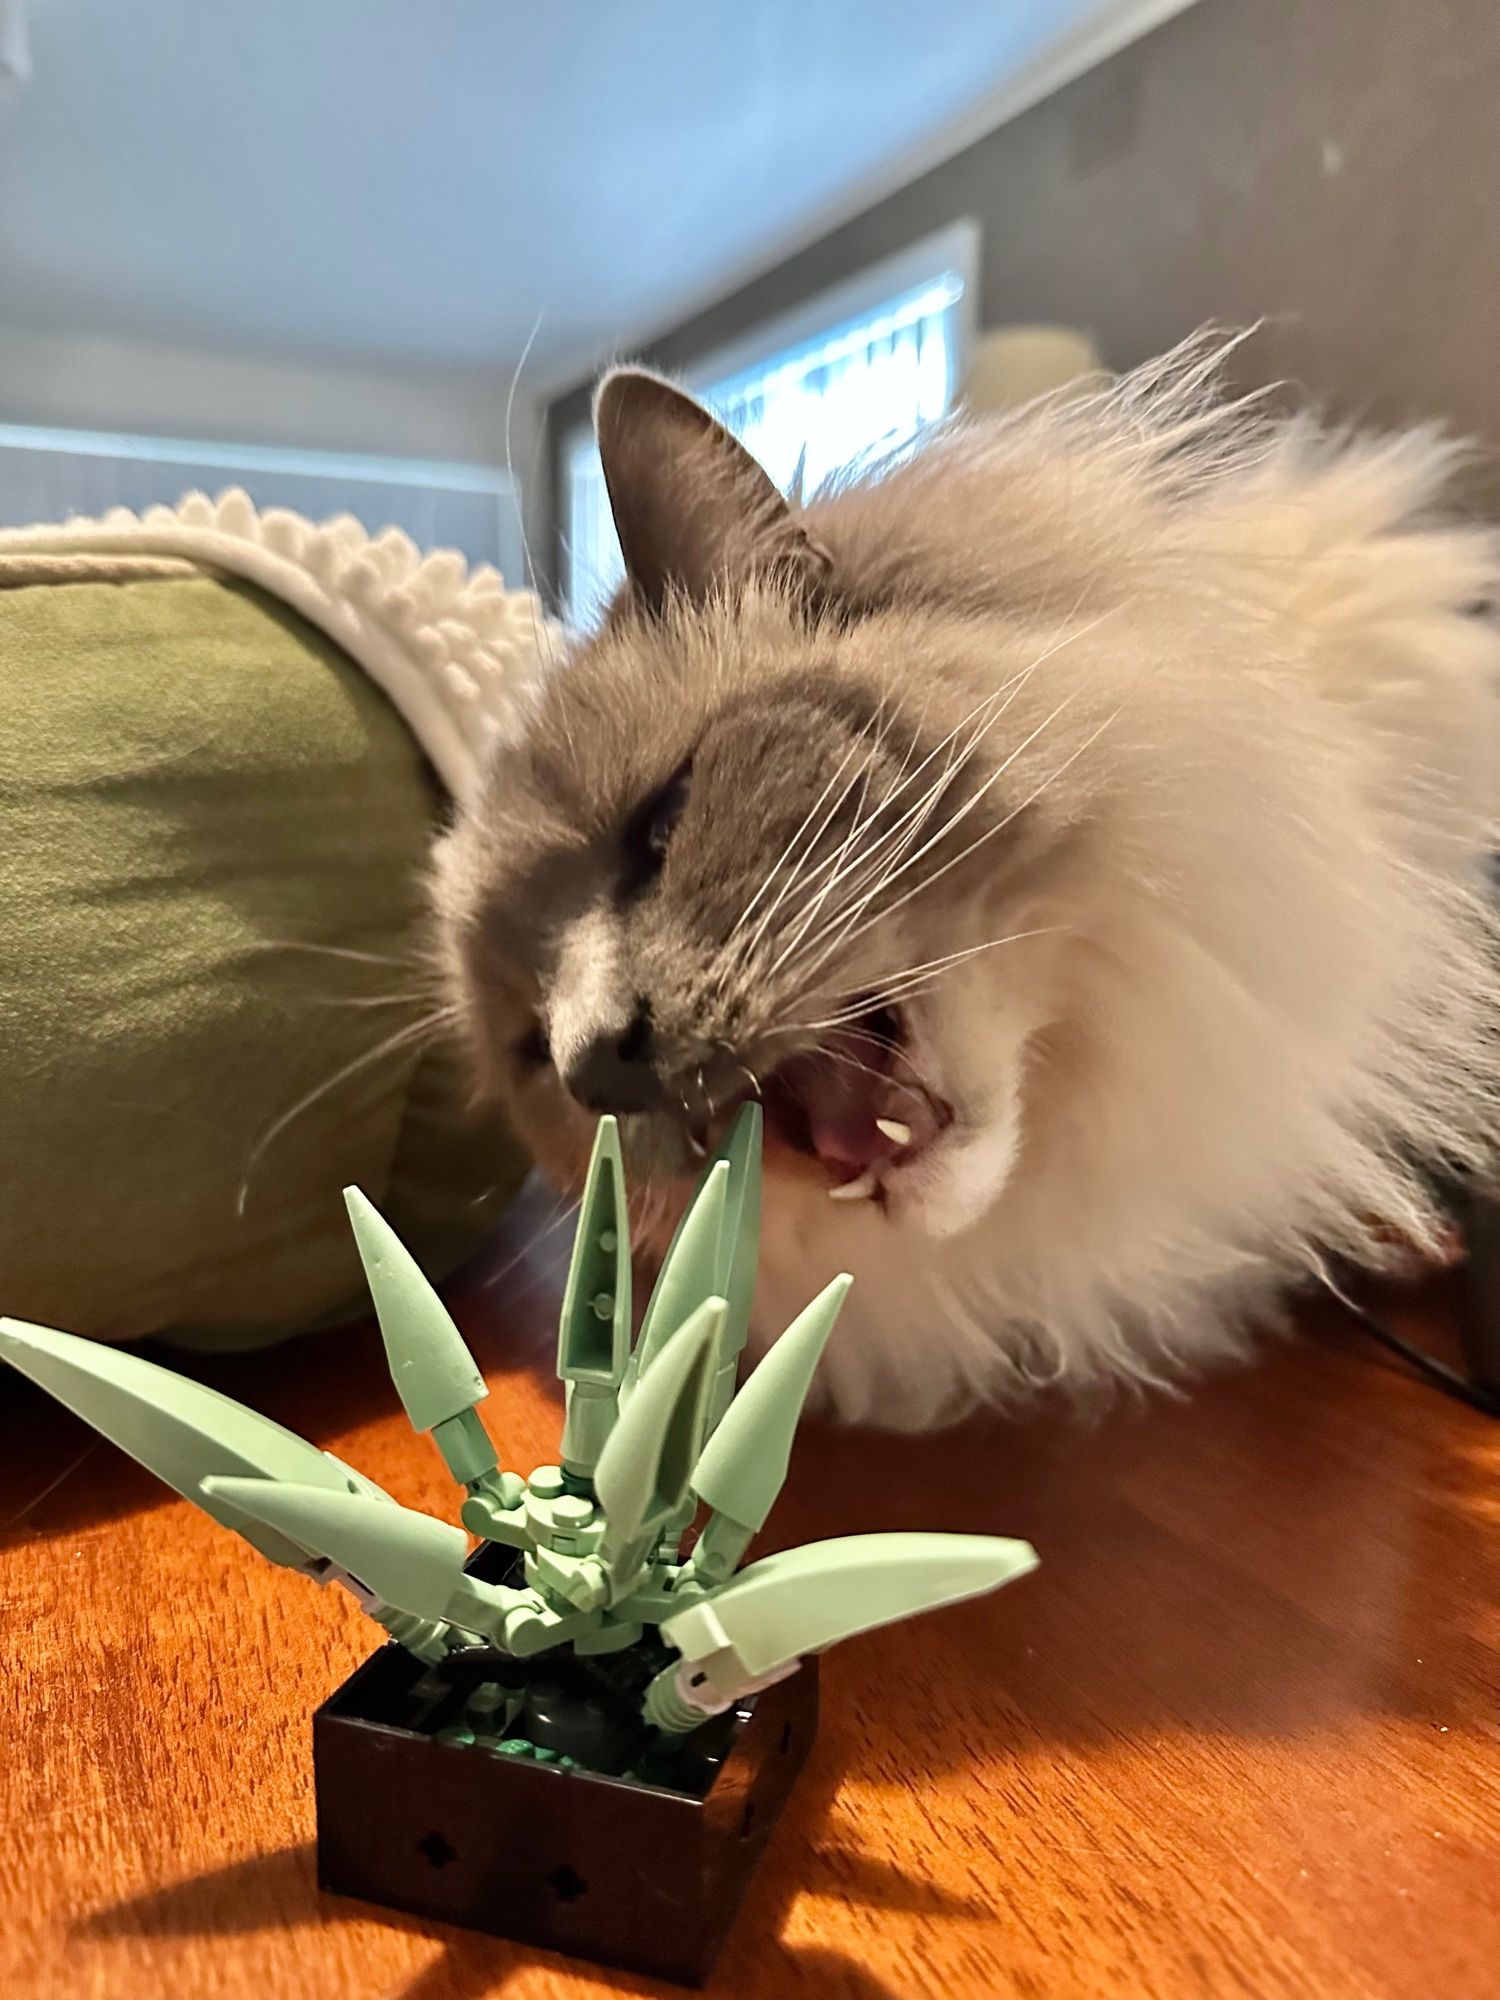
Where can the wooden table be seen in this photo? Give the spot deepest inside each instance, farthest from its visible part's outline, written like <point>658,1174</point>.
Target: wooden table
<point>1238,1736</point>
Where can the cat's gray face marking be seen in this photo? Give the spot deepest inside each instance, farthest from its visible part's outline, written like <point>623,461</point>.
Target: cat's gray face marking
<point>701,869</point>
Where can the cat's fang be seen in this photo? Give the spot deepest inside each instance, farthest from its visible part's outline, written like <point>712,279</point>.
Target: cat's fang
<point>861,1188</point>
<point>895,1129</point>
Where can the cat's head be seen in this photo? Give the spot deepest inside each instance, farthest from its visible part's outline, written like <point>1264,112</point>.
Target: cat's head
<point>1058,829</point>
<point>770,831</point>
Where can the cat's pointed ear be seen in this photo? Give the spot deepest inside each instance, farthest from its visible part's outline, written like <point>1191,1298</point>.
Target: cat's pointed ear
<point>693,510</point>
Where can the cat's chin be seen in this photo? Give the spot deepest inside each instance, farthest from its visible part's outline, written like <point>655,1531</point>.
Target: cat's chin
<point>956,1184</point>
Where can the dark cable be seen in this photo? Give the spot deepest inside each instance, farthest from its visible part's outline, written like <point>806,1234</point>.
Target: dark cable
<point>1431,1370</point>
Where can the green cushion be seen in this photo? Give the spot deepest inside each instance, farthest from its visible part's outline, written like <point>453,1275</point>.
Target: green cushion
<point>195,786</point>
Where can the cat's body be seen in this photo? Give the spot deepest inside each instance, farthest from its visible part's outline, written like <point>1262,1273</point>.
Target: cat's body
<point>1077,833</point>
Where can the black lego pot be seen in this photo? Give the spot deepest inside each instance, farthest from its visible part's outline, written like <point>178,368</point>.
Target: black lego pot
<point>643,1876</point>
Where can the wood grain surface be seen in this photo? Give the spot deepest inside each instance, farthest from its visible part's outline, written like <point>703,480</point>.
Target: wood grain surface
<point>1238,1736</point>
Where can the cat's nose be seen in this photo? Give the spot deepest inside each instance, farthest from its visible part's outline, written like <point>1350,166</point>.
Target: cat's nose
<point>613,1070</point>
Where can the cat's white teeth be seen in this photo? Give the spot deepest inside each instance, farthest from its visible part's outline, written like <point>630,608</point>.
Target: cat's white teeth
<point>859,1189</point>
<point>895,1129</point>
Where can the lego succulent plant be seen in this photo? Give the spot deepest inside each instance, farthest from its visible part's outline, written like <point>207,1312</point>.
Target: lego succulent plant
<point>652,1433</point>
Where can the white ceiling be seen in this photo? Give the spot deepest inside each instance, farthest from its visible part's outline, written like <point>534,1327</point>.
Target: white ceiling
<point>420,180</point>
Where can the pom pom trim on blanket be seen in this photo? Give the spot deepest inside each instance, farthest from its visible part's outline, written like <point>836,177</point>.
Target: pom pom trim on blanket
<point>452,648</point>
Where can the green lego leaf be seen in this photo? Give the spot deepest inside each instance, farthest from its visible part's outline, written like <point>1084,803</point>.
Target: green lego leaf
<point>644,1471</point>
<point>594,1336</point>
<point>739,1247</point>
<point>690,1273</point>
<point>402,1557</point>
<point>804,1600</point>
<point>183,1432</point>
<point>744,1464</point>
<point>432,1369</point>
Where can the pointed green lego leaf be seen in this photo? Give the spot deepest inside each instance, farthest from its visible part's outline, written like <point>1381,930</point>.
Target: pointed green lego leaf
<point>433,1371</point>
<point>404,1558</point>
<point>690,1272</point>
<point>644,1471</point>
<point>803,1600</point>
<point>744,1463</point>
<point>181,1431</point>
<point>594,1337</point>
<point>593,1341</point>
<point>739,1248</point>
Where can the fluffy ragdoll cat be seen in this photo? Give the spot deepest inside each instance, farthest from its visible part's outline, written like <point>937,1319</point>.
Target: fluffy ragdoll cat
<point>1073,832</point>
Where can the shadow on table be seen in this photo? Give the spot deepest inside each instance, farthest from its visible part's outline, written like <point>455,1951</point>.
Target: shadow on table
<point>279,1891</point>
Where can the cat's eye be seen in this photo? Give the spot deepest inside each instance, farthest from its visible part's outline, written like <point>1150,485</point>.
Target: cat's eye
<point>649,833</point>
<point>532,1051</point>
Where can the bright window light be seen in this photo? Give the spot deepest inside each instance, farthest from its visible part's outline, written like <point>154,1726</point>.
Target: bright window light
<point>837,395</point>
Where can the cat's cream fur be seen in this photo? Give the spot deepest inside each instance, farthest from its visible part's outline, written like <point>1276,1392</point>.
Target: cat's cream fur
<point>1248,751</point>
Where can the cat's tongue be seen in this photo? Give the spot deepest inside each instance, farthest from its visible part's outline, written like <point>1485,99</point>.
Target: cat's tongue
<point>858,1115</point>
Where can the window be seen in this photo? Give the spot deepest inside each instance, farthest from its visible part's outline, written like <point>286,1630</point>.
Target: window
<point>46,475</point>
<point>855,374</point>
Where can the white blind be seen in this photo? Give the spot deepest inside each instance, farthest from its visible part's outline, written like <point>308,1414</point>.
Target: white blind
<point>857,389</point>
<point>48,475</point>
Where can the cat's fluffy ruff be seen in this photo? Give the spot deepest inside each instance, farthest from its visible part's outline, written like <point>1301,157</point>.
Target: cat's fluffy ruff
<point>1259,737</point>
<point>1285,990</point>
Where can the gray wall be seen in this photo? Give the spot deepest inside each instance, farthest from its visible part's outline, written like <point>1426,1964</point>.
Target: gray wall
<point>1332,163</point>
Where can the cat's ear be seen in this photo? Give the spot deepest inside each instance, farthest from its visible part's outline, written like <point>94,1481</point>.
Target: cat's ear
<point>693,510</point>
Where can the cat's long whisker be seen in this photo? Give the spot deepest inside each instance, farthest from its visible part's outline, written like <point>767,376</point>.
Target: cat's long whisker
<point>533,590</point>
<point>841,866</point>
<point>920,811</point>
<point>918,977</point>
<point>412,1031</point>
<point>783,857</point>
<point>852,929</point>
<point>805,875</point>
<point>990,832</point>
<point>426,983</point>
<point>856,923</point>
<point>955,761</point>
<point>562,1209</point>
<point>834,938</point>
<point>851,1062</point>
<point>834,864</point>
<point>801,873</point>
<point>791,846</point>
<point>743,1067</point>
<point>899,859</point>
<point>400,961</point>
<point>363,1001</point>
<point>15,1520</point>
<point>892,1054</point>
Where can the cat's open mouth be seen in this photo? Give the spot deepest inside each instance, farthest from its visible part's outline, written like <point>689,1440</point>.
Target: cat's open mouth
<point>856,1105</point>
